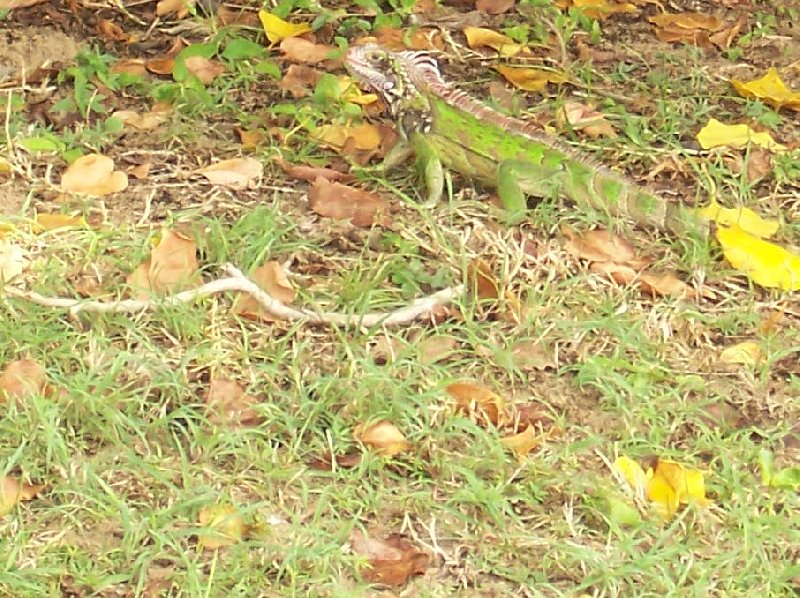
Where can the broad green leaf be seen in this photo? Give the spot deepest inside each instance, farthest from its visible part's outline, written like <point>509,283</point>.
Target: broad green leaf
<point>765,263</point>
<point>41,144</point>
<point>718,134</point>
<point>788,478</point>
<point>240,48</point>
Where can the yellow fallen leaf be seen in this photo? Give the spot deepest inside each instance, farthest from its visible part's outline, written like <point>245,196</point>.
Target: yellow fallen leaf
<point>633,473</point>
<point>746,353</point>
<point>93,174</point>
<point>522,443</point>
<point>663,496</point>
<point>718,134</point>
<point>365,137</point>
<point>769,88</point>
<point>688,484</point>
<point>225,526</point>
<point>45,222</point>
<point>353,94</point>
<point>765,263</point>
<point>598,9</point>
<point>384,437</point>
<point>530,79</point>
<point>479,37</point>
<point>278,29</point>
<point>745,218</point>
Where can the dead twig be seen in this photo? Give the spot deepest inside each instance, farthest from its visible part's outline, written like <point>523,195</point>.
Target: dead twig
<point>237,281</point>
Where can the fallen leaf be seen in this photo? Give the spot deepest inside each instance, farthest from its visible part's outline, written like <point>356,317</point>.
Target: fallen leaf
<point>225,526</point>
<point>530,79</point>
<point>312,173</point>
<point>141,172</point>
<point>352,93</point>
<point>399,39</point>
<point>299,80</point>
<point>272,279</point>
<point>599,245</point>
<point>665,284</point>
<point>230,406</point>
<point>143,122</point>
<point>723,38</point>
<point>93,174</point>
<point>298,49</point>
<point>205,69</point>
<point>277,29</point>
<point>771,89</point>
<point>12,261</point>
<point>435,348</point>
<point>48,222</point>
<point>12,4</point>
<point>586,119</point>
<point>341,202</point>
<point>383,437</point>
<point>479,37</point>
<point>130,66</point>
<point>482,280</point>
<point>21,378</point>
<point>691,28</point>
<point>113,32</point>
<point>358,137</point>
<point>746,353</point>
<point>523,442</point>
<point>494,7</point>
<point>172,267</point>
<point>717,134</point>
<point>598,9</point>
<point>181,8</point>
<point>744,218</point>
<point>391,562</point>
<point>160,66</point>
<point>14,491</point>
<point>478,402</point>
<point>237,173</point>
<point>330,462</point>
<point>532,355</point>
<point>765,263</point>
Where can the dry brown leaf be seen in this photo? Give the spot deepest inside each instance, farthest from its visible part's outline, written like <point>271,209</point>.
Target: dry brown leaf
<point>723,38</point>
<point>585,119</point>
<point>21,378</point>
<point>343,137</point>
<point>299,80</point>
<point>421,39</point>
<point>482,281</point>
<point>272,279</point>
<point>237,15</point>
<point>523,442</point>
<point>12,4</point>
<point>130,66</point>
<point>298,49</point>
<point>180,8</point>
<point>665,284</point>
<point>383,436</point>
<point>14,491</point>
<point>143,122</point>
<point>391,562</point>
<point>141,172</point>
<point>225,526</point>
<point>172,267</point>
<point>312,173</point>
<point>160,66</point>
<point>599,245</point>
<point>230,406</point>
<point>93,174</point>
<point>532,355</point>
<point>341,202</point>
<point>478,403</point>
<point>205,69</point>
<point>250,138</point>
<point>494,7</point>
<point>619,273</point>
<point>330,462</point>
<point>237,173</point>
<point>435,348</point>
<point>113,32</point>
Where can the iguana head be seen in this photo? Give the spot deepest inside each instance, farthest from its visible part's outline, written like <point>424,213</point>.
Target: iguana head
<point>400,78</point>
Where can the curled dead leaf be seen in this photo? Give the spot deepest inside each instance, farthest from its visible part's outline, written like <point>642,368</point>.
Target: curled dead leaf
<point>272,279</point>
<point>228,405</point>
<point>478,402</point>
<point>205,69</point>
<point>392,561</point>
<point>93,174</point>
<point>21,378</point>
<point>237,173</point>
<point>342,202</point>
<point>383,436</point>
<point>13,491</point>
<point>172,267</point>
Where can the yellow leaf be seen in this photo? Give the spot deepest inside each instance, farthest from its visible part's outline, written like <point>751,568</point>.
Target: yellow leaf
<point>688,484</point>
<point>765,263</point>
<point>663,496</point>
<point>530,79</point>
<point>745,218</point>
<point>353,94</point>
<point>478,37</point>
<point>278,29</point>
<point>633,474</point>
<point>769,88</point>
<point>600,9</point>
<point>746,353</point>
<point>45,222</point>
<point>225,526</point>
<point>384,437</point>
<point>717,134</point>
<point>365,137</point>
<point>522,443</point>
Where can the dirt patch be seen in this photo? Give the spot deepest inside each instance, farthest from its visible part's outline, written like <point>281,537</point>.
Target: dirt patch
<point>11,198</point>
<point>26,50</point>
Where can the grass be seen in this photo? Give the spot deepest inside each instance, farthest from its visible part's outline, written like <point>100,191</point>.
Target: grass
<point>130,456</point>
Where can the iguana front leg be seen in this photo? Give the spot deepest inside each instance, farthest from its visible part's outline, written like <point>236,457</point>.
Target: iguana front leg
<point>517,179</point>
<point>429,167</point>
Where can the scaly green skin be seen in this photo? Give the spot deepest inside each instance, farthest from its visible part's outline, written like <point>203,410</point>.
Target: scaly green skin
<point>445,127</point>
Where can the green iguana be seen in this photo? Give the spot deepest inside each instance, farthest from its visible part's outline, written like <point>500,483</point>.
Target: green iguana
<point>444,127</point>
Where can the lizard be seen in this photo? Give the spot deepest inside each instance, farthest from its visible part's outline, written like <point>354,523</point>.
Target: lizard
<point>444,127</point>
